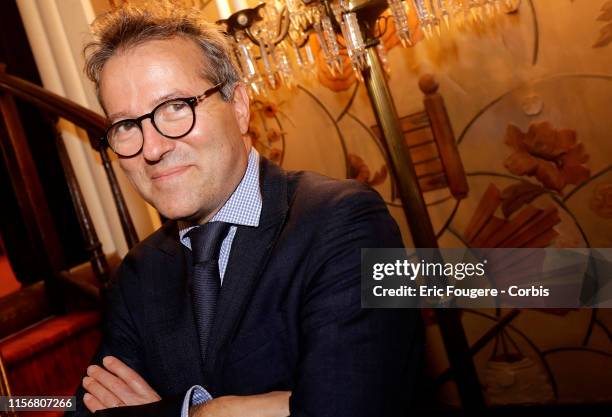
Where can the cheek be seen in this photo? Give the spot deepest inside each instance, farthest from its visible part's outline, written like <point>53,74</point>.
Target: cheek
<point>128,166</point>
<point>132,170</point>
<point>220,122</point>
<point>123,163</point>
<point>210,144</point>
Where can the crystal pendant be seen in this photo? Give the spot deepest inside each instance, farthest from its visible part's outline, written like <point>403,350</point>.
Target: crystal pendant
<point>400,18</point>
<point>305,61</point>
<point>335,60</point>
<point>310,63</point>
<point>493,8</point>
<point>355,44</point>
<point>445,11</point>
<point>267,58</point>
<point>458,11</point>
<point>323,44</point>
<point>284,66</point>
<point>425,18</point>
<point>248,65</point>
<point>475,10</point>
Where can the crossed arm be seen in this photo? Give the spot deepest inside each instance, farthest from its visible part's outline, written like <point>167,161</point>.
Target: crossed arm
<point>116,385</point>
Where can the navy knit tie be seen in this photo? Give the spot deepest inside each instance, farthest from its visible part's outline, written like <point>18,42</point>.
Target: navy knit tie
<point>206,281</point>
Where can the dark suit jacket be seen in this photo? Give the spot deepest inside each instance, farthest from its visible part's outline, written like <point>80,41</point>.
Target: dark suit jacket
<point>289,314</point>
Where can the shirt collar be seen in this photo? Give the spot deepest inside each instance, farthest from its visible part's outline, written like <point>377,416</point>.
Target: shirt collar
<point>244,205</point>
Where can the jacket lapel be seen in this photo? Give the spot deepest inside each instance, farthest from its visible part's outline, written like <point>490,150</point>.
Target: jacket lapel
<point>249,254</point>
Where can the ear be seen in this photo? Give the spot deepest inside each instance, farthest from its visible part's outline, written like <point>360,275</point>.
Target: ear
<point>240,102</point>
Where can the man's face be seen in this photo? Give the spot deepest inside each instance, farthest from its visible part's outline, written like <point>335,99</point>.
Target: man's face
<point>188,178</point>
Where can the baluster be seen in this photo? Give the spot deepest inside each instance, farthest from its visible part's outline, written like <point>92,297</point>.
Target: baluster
<point>443,134</point>
<point>127,225</point>
<point>97,258</point>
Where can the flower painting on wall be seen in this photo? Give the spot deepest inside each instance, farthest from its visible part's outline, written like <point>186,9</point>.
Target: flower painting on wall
<point>605,34</point>
<point>552,156</point>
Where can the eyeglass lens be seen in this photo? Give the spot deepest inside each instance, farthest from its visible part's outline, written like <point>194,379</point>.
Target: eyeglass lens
<point>172,119</point>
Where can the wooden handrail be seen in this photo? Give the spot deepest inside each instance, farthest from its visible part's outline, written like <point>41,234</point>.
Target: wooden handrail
<point>59,106</point>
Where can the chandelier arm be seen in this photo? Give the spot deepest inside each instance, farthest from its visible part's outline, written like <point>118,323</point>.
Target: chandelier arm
<point>252,37</point>
<point>380,28</point>
<point>283,26</point>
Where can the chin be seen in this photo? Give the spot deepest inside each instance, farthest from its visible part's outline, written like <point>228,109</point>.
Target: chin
<point>174,212</point>
<point>178,214</point>
<point>181,206</point>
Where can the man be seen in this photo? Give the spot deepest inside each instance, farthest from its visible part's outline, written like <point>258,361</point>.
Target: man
<point>282,332</point>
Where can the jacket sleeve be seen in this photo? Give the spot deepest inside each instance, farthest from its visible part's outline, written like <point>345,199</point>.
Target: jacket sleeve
<point>120,334</point>
<point>354,362</point>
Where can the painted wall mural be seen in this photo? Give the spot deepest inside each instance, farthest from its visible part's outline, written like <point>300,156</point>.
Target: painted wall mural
<point>530,101</point>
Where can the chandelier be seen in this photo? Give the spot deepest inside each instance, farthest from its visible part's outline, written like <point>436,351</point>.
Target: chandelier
<point>272,39</point>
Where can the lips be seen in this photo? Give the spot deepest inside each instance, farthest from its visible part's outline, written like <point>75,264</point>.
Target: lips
<point>168,173</point>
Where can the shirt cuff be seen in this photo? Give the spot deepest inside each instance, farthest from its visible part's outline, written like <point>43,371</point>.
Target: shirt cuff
<point>195,395</point>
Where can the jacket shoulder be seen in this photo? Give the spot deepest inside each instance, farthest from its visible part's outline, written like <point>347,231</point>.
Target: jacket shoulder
<point>316,191</point>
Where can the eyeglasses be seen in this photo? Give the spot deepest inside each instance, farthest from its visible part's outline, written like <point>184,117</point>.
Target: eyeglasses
<point>173,119</point>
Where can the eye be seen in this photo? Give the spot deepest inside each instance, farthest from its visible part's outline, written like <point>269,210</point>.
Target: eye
<point>172,111</point>
<point>123,131</point>
<point>125,128</point>
<point>177,106</point>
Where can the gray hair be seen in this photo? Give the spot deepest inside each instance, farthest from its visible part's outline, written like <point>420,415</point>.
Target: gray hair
<point>129,26</point>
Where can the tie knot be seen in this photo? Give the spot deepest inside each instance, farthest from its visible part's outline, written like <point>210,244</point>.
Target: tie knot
<point>206,240</point>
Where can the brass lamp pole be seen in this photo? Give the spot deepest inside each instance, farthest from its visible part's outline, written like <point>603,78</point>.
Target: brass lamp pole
<point>415,210</point>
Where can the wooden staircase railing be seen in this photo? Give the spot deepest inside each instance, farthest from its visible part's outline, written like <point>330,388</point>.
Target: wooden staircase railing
<point>27,183</point>
<point>50,340</point>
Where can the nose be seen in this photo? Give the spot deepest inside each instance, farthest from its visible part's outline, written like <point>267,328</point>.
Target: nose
<point>155,145</point>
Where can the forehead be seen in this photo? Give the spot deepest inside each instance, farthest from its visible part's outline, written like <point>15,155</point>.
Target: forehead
<point>150,69</point>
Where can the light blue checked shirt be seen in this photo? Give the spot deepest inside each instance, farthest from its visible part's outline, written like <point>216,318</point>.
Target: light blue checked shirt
<point>243,208</point>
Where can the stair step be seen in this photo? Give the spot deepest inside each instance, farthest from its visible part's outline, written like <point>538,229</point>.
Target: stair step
<point>51,356</point>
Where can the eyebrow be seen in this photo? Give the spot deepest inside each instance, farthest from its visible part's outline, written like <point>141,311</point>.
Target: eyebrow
<point>125,115</point>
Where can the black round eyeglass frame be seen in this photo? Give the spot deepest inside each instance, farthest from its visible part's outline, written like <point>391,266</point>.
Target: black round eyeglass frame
<point>191,101</point>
